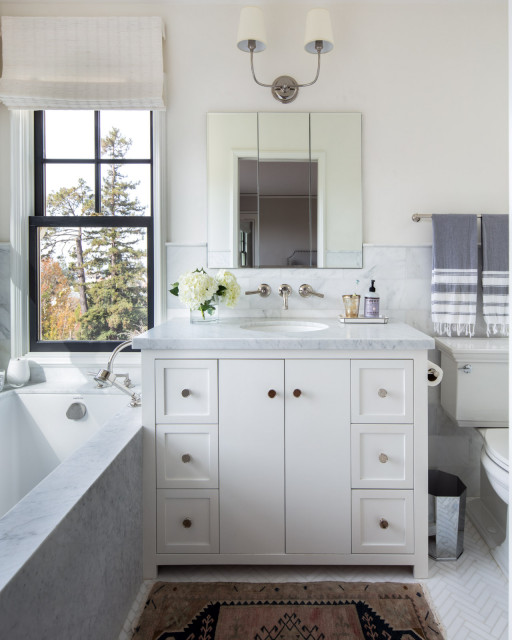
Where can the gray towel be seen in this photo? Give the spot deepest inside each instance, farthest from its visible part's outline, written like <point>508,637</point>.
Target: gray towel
<point>495,273</point>
<point>454,273</point>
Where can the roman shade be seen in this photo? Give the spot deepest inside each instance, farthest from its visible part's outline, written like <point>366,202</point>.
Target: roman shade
<point>82,63</point>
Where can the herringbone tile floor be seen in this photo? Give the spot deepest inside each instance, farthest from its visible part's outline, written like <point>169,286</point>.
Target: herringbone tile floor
<point>469,596</point>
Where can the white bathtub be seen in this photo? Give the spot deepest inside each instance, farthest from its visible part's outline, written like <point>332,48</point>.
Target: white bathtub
<point>36,436</point>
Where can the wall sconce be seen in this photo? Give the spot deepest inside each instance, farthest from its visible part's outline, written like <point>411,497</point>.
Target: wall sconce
<point>252,39</point>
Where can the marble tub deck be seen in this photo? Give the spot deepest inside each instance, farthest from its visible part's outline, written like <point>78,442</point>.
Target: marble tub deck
<point>24,528</point>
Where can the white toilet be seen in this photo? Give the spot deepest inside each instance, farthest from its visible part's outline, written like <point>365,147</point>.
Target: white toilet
<point>474,393</point>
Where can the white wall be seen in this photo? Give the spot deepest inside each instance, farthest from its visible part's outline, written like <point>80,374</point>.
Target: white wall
<point>430,79</point>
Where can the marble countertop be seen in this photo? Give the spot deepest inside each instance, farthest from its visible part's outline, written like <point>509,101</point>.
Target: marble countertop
<point>231,334</point>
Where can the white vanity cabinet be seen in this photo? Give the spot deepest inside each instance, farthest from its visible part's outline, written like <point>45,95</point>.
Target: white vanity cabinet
<point>284,439</point>
<point>280,455</point>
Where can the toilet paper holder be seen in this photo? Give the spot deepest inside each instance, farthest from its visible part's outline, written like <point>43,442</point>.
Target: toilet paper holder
<point>434,374</point>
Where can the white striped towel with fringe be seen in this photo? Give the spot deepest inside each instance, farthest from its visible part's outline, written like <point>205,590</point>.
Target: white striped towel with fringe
<point>454,273</point>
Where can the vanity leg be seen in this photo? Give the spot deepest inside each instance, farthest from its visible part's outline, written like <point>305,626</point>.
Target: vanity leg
<point>420,569</point>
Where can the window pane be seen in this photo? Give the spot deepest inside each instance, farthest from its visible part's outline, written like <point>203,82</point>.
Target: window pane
<point>69,190</point>
<point>69,134</point>
<point>126,190</point>
<point>93,283</point>
<point>131,138</point>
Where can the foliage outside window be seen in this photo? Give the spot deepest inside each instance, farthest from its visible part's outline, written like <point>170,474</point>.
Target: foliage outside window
<point>91,237</point>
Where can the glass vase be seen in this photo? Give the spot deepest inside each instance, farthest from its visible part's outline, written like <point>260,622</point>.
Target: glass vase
<point>205,317</point>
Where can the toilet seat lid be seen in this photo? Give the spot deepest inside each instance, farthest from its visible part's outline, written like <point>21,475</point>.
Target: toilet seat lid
<point>496,446</point>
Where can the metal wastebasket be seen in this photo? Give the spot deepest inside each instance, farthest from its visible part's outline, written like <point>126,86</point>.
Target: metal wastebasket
<point>446,513</point>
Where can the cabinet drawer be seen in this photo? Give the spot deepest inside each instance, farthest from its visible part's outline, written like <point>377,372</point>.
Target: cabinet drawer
<point>382,456</point>
<point>187,521</point>
<point>187,456</point>
<point>382,391</point>
<point>186,391</point>
<point>382,521</point>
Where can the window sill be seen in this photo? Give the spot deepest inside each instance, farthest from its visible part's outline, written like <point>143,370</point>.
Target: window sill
<point>81,359</point>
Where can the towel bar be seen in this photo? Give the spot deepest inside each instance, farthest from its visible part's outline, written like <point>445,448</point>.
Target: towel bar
<point>418,217</point>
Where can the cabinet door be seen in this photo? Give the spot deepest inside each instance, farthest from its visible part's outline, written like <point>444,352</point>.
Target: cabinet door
<point>382,391</point>
<point>317,456</point>
<point>251,456</point>
<point>186,391</point>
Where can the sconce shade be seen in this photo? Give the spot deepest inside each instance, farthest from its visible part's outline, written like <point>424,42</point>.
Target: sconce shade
<point>251,27</point>
<point>318,27</point>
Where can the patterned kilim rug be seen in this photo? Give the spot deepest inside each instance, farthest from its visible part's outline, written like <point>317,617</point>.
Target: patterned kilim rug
<point>289,611</point>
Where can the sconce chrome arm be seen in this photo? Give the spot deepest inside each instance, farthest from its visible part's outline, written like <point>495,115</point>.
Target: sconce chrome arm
<point>319,45</point>
<point>252,46</point>
<point>285,88</point>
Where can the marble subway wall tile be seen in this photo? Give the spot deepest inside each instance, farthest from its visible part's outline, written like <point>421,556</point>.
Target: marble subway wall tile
<point>5,322</point>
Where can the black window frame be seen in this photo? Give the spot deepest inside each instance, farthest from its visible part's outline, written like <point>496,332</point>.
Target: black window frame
<point>40,220</point>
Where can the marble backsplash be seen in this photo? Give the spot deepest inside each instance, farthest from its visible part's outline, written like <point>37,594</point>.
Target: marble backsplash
<point>402,277</point>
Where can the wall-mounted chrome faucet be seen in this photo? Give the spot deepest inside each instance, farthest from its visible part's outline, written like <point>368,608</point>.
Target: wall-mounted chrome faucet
<point>264,290</point>
<point>306,290</point>
<point>285,291</point>
<point>106,377</point>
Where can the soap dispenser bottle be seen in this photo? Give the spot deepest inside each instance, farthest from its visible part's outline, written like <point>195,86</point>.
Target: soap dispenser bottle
<point>372,303</point>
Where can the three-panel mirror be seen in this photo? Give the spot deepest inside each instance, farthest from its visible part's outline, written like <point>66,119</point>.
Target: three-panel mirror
<point>284,190</point>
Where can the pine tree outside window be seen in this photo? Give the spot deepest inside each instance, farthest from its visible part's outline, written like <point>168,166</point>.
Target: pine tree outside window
<point>91,240</point>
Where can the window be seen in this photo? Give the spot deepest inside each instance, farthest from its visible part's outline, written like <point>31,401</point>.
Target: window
<point>91,238</point>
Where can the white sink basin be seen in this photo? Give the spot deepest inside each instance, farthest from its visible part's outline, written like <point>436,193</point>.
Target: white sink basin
<point>284,326</point>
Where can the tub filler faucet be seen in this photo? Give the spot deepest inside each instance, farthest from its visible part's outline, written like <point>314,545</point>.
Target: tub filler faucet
<point>107,377</point>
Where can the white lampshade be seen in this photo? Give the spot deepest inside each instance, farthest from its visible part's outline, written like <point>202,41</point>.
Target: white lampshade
<point>251,27</point>
<point>318,27</point>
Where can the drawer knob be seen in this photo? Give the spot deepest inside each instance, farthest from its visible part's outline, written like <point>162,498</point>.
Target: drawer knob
<point>297,393</point>
<point>383,393</point>
<point>383,523</point>
<point>272,393</point>
<point>186,457</point>
<point>383,458</point>
<point>185,393</point>
<point>187,523</point>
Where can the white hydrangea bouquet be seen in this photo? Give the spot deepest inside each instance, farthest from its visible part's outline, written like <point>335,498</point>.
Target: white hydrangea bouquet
<point>201,292</point>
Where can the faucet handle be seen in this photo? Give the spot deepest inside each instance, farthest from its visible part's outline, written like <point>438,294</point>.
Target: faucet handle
<point>264,290</point>
<point>306,290</point>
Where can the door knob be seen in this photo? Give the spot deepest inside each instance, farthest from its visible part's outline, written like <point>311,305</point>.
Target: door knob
<point>382,393</point>
<point>383,523</point>
<point>272,393</point>
<point>297,393</point>
<point>185,393</point>
<point>383,458</point>
<point>187,523</point>
<point>186,457</point>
